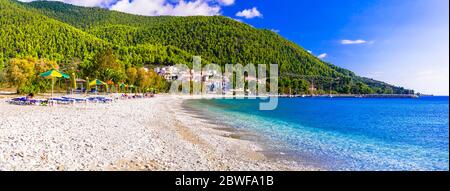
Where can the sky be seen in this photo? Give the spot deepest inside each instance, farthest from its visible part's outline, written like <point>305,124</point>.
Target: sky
<point>402,42</point>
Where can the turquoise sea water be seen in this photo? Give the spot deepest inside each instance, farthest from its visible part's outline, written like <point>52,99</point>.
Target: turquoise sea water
<point>347,133</point>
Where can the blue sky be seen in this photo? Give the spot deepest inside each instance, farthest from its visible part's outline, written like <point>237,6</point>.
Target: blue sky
<point>402,42</point>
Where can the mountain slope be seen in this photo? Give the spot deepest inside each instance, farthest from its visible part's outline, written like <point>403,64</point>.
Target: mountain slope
<point>25,32</point>
<point>217,39</point>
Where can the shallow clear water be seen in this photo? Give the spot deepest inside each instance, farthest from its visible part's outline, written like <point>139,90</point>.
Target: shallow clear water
<point>347,133</point>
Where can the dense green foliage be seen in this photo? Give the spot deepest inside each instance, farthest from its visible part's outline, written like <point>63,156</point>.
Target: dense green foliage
<point>62,32</point>
<point>23,73</point>
<point>24,32</point>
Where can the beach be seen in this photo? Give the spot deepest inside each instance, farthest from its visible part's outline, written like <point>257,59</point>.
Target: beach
<point>136,134</point>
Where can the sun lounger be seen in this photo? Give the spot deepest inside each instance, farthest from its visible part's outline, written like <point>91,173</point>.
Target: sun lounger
<point>62,100</point>
<point>99,99</point>
<point>25,101</point>
<point>77,100</point>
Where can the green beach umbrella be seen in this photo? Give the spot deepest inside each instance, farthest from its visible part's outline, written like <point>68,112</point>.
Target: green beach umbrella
<point>122,85</point>
<point>97,82</point>
<point>53,73</point>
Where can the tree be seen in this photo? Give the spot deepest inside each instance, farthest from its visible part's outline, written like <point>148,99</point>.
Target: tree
<point>132,75</point>
<point>107,67</point>
<point>20,73</point>
<point>71,66</point>
<point>23,73</point>
<point>364,89</point>
<point>143,80</point>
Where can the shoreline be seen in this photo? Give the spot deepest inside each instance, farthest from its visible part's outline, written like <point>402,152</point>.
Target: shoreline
<point>265,143</point>
<point>230,131</point>
<point>140,134</point>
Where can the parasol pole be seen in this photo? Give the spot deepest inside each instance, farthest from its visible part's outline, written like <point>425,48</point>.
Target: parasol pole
<point>53,83</point>
<point>88,86</point>
<point>74,82</point>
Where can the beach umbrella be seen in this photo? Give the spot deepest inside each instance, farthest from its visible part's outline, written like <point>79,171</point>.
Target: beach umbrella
<point>98,82</point>
<point>53,73</point>
<point>123,85</point>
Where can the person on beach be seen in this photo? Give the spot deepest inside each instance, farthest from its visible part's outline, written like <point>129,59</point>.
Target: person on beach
<point>30,96</point>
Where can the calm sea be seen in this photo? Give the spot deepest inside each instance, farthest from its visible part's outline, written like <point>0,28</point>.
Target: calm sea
<point>347,133</point>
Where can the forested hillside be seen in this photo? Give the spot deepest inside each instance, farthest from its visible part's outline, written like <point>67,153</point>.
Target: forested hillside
<point>63,32</point>
<point>24,32</point>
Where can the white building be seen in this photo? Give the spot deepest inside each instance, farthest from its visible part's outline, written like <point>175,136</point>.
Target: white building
<point>208,78</point>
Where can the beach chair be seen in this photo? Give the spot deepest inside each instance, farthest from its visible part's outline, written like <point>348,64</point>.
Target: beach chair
<point>62,101</point>
<point>35,102</point>
<point>25,101</point>
<point>104,99</point>
<point>92,99</point>
<point>18,101</point>
<point>76,100</point>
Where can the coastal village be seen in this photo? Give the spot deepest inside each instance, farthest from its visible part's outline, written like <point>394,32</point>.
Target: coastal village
<point>213,85</point>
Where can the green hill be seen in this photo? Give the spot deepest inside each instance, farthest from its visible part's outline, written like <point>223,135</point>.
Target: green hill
<point>61,32</point>
<point>26,32</point>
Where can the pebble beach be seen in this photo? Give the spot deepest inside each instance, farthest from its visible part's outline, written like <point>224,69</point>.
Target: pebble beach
<point>137,134</point>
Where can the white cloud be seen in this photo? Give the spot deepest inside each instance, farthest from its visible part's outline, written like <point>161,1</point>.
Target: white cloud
<point>359,41</point>
<point>226,2</point>
<point>249,13</point>
<point>157,7</point>
<point>322,56</point>
<point>309,51</point>
<point>162,7</point>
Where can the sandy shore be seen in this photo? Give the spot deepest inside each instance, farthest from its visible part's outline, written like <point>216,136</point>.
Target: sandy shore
<point>140,134</point>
